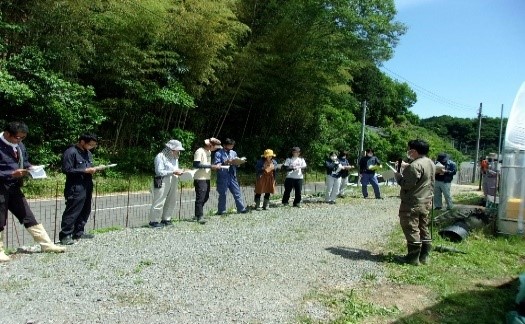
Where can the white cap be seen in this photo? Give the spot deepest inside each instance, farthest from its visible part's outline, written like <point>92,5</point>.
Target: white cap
<point>175,145</point>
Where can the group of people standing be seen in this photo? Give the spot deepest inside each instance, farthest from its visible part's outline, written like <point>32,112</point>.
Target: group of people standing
<point>220,157</point>
<point>417,179</point>
<point>77,164</point>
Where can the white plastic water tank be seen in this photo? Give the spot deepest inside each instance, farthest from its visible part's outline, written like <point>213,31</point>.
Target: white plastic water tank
<point>515,133</point>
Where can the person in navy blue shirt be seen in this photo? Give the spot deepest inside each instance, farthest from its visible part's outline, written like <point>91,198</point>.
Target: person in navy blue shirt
<point>14,165</point>
<point>227,178</point>
<point>367,165</point>
<point>77,164</point>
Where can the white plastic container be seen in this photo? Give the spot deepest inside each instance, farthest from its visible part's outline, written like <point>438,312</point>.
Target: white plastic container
<point>511,209</point>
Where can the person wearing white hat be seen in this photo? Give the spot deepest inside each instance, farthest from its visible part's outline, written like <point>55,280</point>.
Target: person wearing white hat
<point>165,184</point>
<point>201,179</point>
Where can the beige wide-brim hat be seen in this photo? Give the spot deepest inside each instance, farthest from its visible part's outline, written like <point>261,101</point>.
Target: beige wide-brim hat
<point>175,145</point>
<point>268,153</point>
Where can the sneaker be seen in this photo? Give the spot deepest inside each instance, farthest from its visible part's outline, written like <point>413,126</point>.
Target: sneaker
<point>155,224</point>
<point>68,240</point>
<point>83,236</point>
<point>201,221</point>
<point>166,222</point>
<point>244,211</point>
<point>331,202</point>
<point>379,197</point>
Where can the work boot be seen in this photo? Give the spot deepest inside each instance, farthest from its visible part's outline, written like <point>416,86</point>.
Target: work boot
<point>266,203</point>
<point>40,236</point>
<point>258,203</point>
<point>424,256</point>
<point>3,256</point>
<point>412,256</point>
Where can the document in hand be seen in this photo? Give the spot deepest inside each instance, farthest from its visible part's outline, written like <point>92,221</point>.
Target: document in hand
<point>102,167</point>
<point>439,167</point>
<point>187,175</point>
<point>238,161</point>
<point>37,172</point>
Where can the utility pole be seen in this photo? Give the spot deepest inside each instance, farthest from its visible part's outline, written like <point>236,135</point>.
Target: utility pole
<point>363,121</point>
<point>477,147</point>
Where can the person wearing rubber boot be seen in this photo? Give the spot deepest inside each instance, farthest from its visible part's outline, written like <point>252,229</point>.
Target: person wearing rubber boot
<point>265,170</point>
<point>14,166</point>
<point>417,180</point>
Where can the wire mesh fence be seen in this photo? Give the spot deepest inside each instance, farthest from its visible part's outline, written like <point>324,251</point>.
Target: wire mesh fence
<point>130,208</point>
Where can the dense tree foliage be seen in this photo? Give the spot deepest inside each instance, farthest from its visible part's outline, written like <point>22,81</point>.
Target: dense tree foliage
<point>462,133</point>
<point>266,73</point>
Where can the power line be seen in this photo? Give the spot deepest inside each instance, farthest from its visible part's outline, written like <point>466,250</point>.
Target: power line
<point>432,95</point>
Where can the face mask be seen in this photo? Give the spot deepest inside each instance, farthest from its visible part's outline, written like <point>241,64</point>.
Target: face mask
<point>333,157</point>
<point>408,155</point>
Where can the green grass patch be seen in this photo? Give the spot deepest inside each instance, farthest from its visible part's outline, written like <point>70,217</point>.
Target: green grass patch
<point>106,230</point>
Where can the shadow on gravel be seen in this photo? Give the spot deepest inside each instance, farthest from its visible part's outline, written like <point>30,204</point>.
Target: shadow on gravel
<point>355,254</point>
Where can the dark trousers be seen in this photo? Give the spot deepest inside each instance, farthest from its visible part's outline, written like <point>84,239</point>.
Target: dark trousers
<point>266,196</point>
<point>202,194</point>
<point>78,208</point>
<point>12,199</point>
<point>296,185</point>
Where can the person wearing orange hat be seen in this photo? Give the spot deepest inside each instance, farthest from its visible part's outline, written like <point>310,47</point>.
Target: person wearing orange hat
<point>266,175</point>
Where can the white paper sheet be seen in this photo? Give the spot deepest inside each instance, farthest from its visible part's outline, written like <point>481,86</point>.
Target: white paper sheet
<point>37,172</point>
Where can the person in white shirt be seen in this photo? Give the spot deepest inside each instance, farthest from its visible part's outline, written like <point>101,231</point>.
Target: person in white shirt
<point>165,184</point>
<point>201,179</point>
<point>294,178</point>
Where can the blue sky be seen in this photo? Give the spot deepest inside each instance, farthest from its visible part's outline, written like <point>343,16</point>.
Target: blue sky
<point>457,54</point>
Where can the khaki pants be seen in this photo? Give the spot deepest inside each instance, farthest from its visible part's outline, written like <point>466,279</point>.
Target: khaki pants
<point>414,222</point>
<point>164,200</point>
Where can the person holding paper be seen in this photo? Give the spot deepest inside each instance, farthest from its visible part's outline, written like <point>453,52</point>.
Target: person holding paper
<point>14,166</point>
<point>417,186</point>
<point>367,169</point>
<point>343,161</point>
<point>333,177</point>
<point>445,171</point>
<point>294,166</point>
<point>227,178</point>
<point>165,184</point>
<point>201,179</point>
<point>77,164</point>
<point>266,175</point>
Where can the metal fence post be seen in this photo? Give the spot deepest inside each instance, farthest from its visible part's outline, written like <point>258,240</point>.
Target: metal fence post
<point>95,205</point>
<point>127,204</point>
<point>56,214</point>
<point>180,198</point>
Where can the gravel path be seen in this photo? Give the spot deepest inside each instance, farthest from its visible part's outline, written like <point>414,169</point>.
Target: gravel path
<point>253,268</point>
